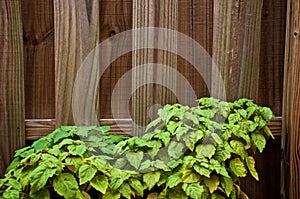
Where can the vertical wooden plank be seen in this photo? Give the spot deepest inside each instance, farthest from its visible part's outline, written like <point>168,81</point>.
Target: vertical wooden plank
<point>272,55</point>
<point>76,34</point>
<point>11,82</point>
<point>38,38</point>
<point>236,47</point>
<point>151,13</point>
<point>236,52</point>
<point>115,17</point>
<point>196,21</point>
<point>290,174</point>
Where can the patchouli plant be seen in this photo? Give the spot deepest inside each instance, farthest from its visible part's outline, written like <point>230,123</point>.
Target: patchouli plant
<point>188,152</point>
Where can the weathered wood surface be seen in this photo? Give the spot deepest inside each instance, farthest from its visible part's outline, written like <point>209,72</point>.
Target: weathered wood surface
<point>153,13</point>
<point>115,17</point>
<point>236,47</point>
<point>76,34</point>
<point>195,19</point>
<point>272,55</point>
<point>290,170</point>
<point>38,40</point>
<point>12,134</point>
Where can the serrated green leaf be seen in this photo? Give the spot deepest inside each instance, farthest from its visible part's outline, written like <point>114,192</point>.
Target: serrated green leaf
<point>42,194</point>
<point>238,148</point>
<point>234,118</point>
<point>192,138</point>
<point>120,163</point>
<point>160,164</point>
<point>137,185</point>
<point>172,126</point>
<point>202,171</point>
<point>125,190</point>
<point>14,184</point>
<point>216,138</point>
<point>164,137</point>
<point>259,141</point>
<point>42,143</point>
<point>152,124</point>
<point>77,149</point>
<point>205,150</point>
<point>66,185</point>
<point>11,194</point>
<point>238,167</point>
<point>59,134</point>
<point>40,176</point>
<point>251,166</point>
<point>86,173</point>
<point>189,176</point>
<point>190,116</point>
<point>151,179</point>
<point>212,183</point>
<point>100,183</point>
<point>75,161</point>
<point>227,184</point>
<point>267,113</point>
<point>135,159</point>
<point>112,195</point>
<point>174,180</point>
<point>268,132</point>
<point>145,165</point>
<point>116,183</point>
<point>175,149</point>
<point>24,176</point>
<point>194,190</point>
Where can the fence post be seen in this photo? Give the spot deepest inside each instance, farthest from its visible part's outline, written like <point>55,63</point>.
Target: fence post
<point>290,174</point>
<point>12,134</point>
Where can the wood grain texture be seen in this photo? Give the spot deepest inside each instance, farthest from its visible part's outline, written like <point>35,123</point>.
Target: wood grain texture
<point>76,34</point>
<point>37,128</point>
<point>290,170</point>
<point>153,13</point>
<point>272,55</point>
<point>38,38</point>
<point>196,21</point>
<point>236,47</point>
<point>12,134</point>
<point>115,17</point>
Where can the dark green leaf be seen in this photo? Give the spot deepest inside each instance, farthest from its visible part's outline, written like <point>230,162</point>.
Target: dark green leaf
<point>227,184</point>
<point>135,159</point>
<point>42,194</point>
<point>175,149</point>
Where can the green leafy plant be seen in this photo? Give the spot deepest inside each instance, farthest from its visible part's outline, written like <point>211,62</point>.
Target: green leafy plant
<point>188,152</point>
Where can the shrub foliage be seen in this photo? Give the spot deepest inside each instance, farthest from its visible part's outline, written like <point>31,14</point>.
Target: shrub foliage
<point>188,152</point>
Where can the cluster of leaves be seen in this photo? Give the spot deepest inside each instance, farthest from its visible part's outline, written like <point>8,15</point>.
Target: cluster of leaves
<point>188,152</point>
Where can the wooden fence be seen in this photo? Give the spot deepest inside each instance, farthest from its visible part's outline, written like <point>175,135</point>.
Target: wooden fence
<point>255,44</point>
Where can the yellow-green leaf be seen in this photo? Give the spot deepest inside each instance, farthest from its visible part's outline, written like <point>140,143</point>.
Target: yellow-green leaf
<point>251,166</point>
<point>238,167</point>
<point>100,183</point>
<point>86,173</point>
<point>66,185</point>
<point>212,183</point>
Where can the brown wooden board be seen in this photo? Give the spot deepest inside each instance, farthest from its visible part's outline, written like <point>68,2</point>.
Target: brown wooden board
<point>115,17</point>
<point>76,34</point>
<point>12,134</point>
<point>272,54</point>
<point>290,170</point>
<point>38,38</point>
